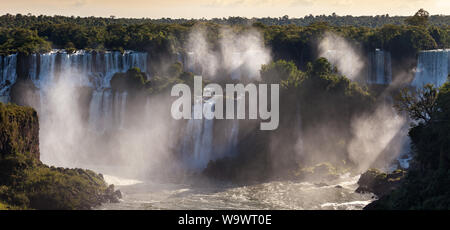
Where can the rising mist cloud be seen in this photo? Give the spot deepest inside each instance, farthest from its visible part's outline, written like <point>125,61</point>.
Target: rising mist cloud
<point>342,54</point>
<point>373,134</point>
<point>239,53</point>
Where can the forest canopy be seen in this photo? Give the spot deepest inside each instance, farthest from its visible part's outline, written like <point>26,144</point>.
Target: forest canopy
<point>290,37</point>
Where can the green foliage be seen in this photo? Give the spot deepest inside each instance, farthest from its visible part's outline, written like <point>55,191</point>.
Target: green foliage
<point>290,39</point>
<point>333,19</point>
<point>427,183</point>
<point>420,18</point>
<point>30,184</point>
<point>19,130</point>
<point>420,104</point>
<point>419,191</point>
<point>135,82</point>
<point>26,183</point>
<point>19,40</point>
<point>59,188</point>
<point>403,41</point>
<point>443,101</point>
<point>282,72</point>
<point>132,80</point>
<point>320,68</point>
<point>440,35</point>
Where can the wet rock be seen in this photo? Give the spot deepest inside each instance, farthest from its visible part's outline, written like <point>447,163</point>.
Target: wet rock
<point>378,182</point>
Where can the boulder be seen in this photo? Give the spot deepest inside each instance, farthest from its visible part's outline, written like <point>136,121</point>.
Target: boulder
<point>378,182</point>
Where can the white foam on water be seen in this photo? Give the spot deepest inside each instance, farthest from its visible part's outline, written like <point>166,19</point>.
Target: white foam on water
<point>358,204</point>
<point>118,181</point>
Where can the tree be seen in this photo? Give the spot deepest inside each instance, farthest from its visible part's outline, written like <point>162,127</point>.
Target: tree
<point>420,18</point>
<point>133,80</point>
<point>281,71</point>
<point>320,67</point>
<point>421,104</point>
<point>443,102</point>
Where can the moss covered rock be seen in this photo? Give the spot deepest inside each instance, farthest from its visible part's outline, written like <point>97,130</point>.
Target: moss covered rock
<point>26,183</point>
<point>19,131</point>
<point>379,183</point>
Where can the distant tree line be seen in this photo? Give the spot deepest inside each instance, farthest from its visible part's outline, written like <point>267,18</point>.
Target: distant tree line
<point>20,20</point>
<point>288,40</point>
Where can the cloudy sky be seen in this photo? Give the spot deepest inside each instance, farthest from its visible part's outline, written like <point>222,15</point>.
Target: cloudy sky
<point>221,8</point>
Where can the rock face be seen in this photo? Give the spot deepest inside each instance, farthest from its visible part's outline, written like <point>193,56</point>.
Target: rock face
<point>26,183</point>
<point>19,131</point>
<point>379,183</point>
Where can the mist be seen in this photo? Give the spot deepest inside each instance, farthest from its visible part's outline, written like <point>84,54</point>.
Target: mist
<point>145,142</point>
<point>135,137</point>
<point>237,53</point>
<point>61,127</point>
<point>135,149</point>
<point>348,59</point>
<point>374,135</point>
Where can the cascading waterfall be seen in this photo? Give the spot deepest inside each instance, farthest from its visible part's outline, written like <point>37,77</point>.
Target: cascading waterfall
<point>59,78</point>
<point>231,146</point>
<point>107,108</point>
<point>89,69</point>
<point>8,75</point>
<point>199,146</point>
<point>197,142</point>
<point>121,102</point>
<point>83,68</point>
<point>433,66</point>
<point>379,68</point>
<point>191,64</point>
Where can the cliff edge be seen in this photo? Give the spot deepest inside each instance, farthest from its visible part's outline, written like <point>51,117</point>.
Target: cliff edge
<point>27,183</point>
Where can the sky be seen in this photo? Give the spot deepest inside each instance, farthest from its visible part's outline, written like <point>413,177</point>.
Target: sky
<point>221,8</point>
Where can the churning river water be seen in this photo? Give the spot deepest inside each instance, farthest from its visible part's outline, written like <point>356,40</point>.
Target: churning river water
<point>335,195</point>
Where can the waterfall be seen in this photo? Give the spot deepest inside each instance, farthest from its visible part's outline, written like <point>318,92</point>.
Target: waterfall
<point>191,63</point>
<point>107,110</point>
<point>433,66</point>
<point>232,143</point>
<point>95,111</point>
<point>379,68</point>
<point>8,75</point>
<point>202,142</point>
<point>84,68</point>
<point>197,142</point>
<point>81,69</point>
<point>47,69</point>
<point>122,101</point>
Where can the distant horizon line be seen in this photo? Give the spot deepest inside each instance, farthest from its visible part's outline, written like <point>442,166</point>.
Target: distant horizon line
<point>210,18</point>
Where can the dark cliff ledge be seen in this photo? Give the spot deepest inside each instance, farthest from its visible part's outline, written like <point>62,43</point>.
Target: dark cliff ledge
<point>19,131</point>
<point>26,183</point>
<point>380,183</point>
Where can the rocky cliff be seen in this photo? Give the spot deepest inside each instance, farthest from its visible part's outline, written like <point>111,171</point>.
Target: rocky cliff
<point>19,131</point>
<point>26,183</point>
